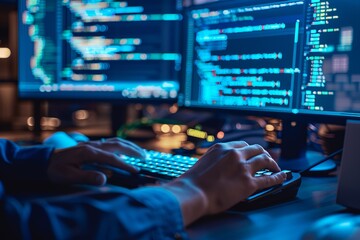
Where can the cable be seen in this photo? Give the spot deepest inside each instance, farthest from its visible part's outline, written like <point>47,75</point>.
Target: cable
<point>321,161</point>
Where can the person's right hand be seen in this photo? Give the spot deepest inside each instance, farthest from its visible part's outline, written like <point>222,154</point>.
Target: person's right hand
<point>223,177</point>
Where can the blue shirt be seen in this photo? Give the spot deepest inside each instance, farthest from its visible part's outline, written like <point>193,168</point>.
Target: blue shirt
<point>107,212</point>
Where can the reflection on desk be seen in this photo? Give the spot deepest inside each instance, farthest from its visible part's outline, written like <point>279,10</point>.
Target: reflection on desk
<point>289,220</point>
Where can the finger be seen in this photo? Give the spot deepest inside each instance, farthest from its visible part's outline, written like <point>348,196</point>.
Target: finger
<point>125,149</point>
<point>263,161</point>
<point>96,155</point>
<point>269,181</point>
<point>135,146</point>
<point>234,144</point>
<point>120,146</point>
<point>237,144</point>
<point>91,177</point>
<point>252,151</point>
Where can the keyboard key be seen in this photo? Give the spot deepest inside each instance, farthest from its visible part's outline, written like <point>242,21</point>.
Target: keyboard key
<point>268,173</point>
<point>288,174</point>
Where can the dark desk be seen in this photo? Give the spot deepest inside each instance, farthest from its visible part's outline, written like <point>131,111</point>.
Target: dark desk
<point>289,220</point>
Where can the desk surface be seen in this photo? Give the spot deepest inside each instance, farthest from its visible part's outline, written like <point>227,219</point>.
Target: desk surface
<point>289,220</point>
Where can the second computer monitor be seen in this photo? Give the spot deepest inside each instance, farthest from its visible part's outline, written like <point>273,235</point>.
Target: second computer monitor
<point>102,50</point>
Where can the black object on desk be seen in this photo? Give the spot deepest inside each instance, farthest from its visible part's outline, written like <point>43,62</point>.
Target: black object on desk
<point>271,196</point>
<point>349,189</point>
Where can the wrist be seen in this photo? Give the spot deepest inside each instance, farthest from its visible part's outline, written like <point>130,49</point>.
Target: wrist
<point>192,200</point>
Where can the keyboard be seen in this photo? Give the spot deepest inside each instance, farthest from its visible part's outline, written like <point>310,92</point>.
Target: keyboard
<point>161,167</point>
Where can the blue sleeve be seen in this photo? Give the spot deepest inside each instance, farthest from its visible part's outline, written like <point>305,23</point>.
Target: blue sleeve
<point>108,213</point>
<point>23,164</point>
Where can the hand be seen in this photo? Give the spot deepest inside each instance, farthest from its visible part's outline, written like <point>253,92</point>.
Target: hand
<point>65,165</point>
<point>223,177</point>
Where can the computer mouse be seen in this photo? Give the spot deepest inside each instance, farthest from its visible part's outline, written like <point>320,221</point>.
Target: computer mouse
<point>335,227</point>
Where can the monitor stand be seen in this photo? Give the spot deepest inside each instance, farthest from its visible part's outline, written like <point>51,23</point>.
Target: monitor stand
<point>36,131</point>
<point>37,115</point>
<point>294,154</point>
<point>119,114</point>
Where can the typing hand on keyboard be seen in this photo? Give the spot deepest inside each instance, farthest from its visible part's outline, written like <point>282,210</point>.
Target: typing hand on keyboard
<point>162,167</point>
<point>223,177</point>
<point>80,163</point>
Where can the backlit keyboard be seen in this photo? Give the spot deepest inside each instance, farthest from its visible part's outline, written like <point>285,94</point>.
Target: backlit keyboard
<point>162,165</point>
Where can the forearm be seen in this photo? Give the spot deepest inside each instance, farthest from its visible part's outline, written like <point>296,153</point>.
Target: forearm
<point>193,202</point>
<point>23,164</point>
<point>106,213</point>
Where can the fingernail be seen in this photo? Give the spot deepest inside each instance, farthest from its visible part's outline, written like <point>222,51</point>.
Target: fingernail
<point>100,180</point>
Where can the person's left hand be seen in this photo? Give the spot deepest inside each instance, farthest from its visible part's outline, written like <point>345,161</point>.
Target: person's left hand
<point>65,165</point>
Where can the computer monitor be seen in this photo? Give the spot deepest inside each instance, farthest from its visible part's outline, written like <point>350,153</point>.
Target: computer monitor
<point>296,60</point>
<point>100,50</point>
<point>188,3</point>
